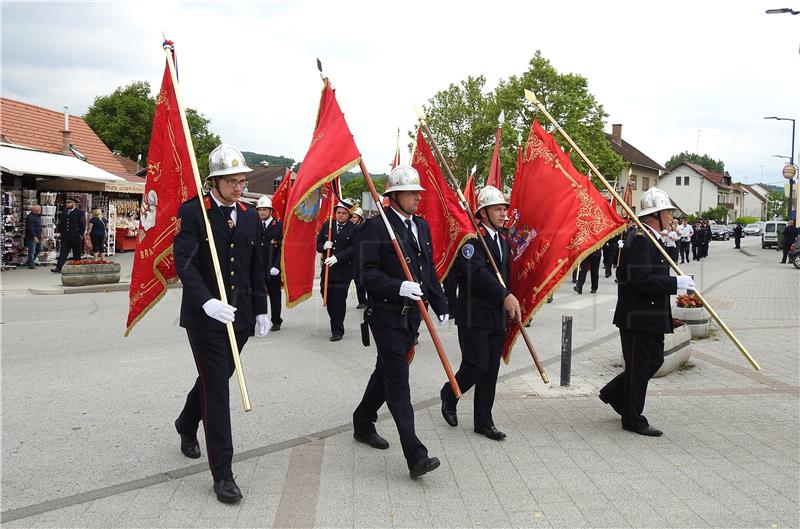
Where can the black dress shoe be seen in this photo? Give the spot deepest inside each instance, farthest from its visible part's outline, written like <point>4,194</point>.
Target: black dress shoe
<point>361,305</point>
<point>491,432</point>
<point>275,327</point>
<point>448,412</point>
<point>646,430</point>
<point>577,289</point>
<point>55,270</point>
<point>372,439</point>
<point>189,445</point>
<point>336,337</point>
<point>593,291</point>
<point>227,491</point>
<point>423,467</point>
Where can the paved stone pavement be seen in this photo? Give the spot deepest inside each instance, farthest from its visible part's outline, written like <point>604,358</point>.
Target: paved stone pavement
<point>730,455</point>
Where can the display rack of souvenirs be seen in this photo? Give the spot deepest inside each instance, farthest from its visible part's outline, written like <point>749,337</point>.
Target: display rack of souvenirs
<point>111,232</point>
<point>49,210</point>
<point>13,231</point>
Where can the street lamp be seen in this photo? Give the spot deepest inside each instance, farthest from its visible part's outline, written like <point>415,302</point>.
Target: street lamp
<point>791,155</point>
<point>782,10</point>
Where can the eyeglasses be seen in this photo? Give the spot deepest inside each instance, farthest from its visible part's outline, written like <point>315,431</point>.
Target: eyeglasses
<point>236,183</point>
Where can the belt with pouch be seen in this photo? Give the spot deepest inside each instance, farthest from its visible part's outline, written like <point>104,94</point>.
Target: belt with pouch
<point>402,309</point>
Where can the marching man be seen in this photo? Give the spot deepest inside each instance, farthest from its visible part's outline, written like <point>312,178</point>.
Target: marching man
<point>236,232</point>
<point>339,265</point>
<point>271,240</point>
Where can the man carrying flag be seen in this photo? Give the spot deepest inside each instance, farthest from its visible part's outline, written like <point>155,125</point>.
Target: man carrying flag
<point>393,314</point>
<point>339,264</point>
<point>484,306</point>
<point>236,231</point>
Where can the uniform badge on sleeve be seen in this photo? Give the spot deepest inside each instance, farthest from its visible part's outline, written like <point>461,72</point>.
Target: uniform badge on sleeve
<point>467,251</point>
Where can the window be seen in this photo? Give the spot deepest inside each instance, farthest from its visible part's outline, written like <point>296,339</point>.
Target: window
<point>276,183</point>
<point>686,180</point>
<point>633,182</point>
<point>645,183</point>
<point>677,180</point>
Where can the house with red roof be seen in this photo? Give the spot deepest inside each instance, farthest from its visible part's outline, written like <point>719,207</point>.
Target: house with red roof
<point>696,189</point>
<point>642,170</point>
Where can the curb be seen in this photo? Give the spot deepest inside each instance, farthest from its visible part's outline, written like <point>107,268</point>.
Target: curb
<point>89,289</point>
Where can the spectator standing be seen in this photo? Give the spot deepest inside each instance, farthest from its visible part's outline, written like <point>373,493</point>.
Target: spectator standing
<point>686,233</point>
<point>789,235</point>
<point>33,234</point>
<point>97,233</point>
<point>737,235</point>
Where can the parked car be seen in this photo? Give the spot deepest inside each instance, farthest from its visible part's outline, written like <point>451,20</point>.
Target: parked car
<point>754,229</point>
<point>769,237</point>
<point>719,232</point>
<point>794,252</point>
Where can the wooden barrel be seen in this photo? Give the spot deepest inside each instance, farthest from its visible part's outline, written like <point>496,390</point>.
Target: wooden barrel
<point>78,275</point>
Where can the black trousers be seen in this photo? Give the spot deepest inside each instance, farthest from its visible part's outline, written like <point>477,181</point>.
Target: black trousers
<point>480,364</point>
<point>208,399</point>
<point>361,292</point>
<point>592,266</point>
<point>684,250</point>
<point>738,241</point>
<point>644,354</point>
<point>69,244</point>
<point>450,285</point>
<point>336,304</point>
<point>274,292</point>
<point>389,383</point>
<point>696,252</point>
<point>672,251</point>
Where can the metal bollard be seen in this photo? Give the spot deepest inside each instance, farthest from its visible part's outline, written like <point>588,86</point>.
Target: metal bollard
<point>566,349</point>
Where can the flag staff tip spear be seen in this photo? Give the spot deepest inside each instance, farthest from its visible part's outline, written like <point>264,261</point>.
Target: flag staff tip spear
<point>502,117</point>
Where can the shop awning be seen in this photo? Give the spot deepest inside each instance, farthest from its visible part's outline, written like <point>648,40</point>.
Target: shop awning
<point>23,161</point>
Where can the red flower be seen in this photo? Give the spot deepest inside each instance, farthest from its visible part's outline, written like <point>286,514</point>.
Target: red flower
<point>688,301</point>
<point>89,261</point>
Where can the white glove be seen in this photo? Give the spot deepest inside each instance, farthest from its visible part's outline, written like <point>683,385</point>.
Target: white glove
<point>222,312</point>
<point>411,290</point>
<point>685,282</point>
<point>330,261</point>
<point>274,271</point>
<point>328,244</point>
<point>620,244</point>
<point>262,325</point>
<point>443,319</point>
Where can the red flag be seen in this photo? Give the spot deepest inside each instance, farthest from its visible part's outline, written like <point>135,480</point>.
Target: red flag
<point>281,195</point>
<point>170,182</point>
<point>494,179</point>
<point>518,168</point>
<point>469,192</point>
<point>450,225</point>
<point>557,217</point>
<point>331,153</point>
<point>396,160</point>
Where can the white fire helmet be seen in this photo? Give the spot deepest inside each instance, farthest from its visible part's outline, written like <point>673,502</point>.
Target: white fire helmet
<point>264,202</point>
<point>359,212</point>
<point>490,196</point>
<point>225,160</point>
<point>403,178</point>
<point>655,200</point>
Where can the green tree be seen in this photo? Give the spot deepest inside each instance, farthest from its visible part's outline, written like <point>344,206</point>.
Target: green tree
<point>719,214</point>
<point>703,160</point>
<point>463,118</point>
<point>123,119</point>
<point>354,187</point>
<point>776,205</point>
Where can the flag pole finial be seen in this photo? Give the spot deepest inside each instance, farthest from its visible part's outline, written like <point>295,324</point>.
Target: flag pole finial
<point>419,112</point>
<point>321,73</point>
<point>502,118</point>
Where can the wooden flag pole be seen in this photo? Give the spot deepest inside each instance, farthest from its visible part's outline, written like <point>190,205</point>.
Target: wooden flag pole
<point>215,260</point>
<point>530,96</point>
<point>470,214</point>
<point>326,270</point>
<point>423,310</point>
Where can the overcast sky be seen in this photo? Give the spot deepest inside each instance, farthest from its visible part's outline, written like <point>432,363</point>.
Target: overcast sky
<point>664,70</point>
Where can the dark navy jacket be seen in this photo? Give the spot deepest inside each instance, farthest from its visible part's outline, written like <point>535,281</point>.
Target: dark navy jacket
<point>271,240</point>
<point>343,249</point>
<point>480,294</point>
<point>33,227</point>
<point>382,274</point>
<point>72,223</point>
<point>239,259</point>
<point>644,287</point>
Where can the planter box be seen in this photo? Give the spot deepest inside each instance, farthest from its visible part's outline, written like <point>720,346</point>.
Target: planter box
<point>695,317</point>
<point>89,274</point>
<point>676,350</point>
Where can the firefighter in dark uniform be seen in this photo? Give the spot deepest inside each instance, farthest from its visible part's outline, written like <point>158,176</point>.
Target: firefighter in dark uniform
<point>643,312</point>
<point>339,265</point>
<point>393,316</point>
<point>271,241</point>
<point>72,227</point>
<point>361,293</point>
<point>484,305</point>
<point>204,315</point>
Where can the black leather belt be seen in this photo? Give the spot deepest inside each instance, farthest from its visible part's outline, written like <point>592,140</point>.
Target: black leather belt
<point>402,309</point>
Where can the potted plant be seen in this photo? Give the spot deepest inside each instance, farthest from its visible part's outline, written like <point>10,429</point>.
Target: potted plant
<point>689,309</point>
<point>676,348</point>
<point>89,272</point>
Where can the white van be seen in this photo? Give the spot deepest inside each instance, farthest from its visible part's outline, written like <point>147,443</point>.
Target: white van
<point>769,237</point>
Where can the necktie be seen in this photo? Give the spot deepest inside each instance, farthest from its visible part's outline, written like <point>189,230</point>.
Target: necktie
<point>338,228</point>
<point>411,236</point>
<point>499,248</point>
<point>228,211</point>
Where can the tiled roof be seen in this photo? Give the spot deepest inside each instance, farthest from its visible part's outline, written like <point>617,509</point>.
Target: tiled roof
<point>712,176</point>
<point>633,155</point>
<point>262,179</point>
<point>129,165</point>
<point>754,192</point>
<point>40,128</point>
